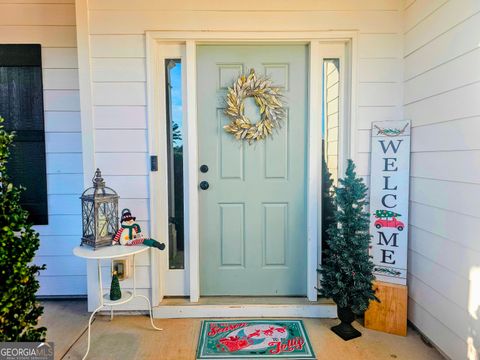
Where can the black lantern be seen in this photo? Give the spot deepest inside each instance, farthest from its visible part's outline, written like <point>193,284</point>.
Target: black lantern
<point>99,213</point>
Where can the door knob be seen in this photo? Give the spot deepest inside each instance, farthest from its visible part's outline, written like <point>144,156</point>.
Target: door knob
<point>204,168</point>
<point>204,185</point>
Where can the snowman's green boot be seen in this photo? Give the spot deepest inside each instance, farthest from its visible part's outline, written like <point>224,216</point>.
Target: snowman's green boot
<point>154,243</point>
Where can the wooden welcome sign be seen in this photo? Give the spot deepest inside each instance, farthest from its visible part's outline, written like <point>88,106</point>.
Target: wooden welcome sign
<point>389,196</point>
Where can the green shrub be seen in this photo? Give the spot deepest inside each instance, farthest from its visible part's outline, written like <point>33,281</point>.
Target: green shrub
<point>19,309</point>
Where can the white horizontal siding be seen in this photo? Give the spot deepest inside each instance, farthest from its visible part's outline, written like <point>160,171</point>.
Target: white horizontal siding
<point>120,117</point>
<point>419,10</point>
<point>442,87</point>
<point>63,142</point>
<point>63,285</point>
<point>444,48</point>
<point>455,135</point>
<point>252,5</point>
<point>67,265</point>
<point>135,21</point>
<point>52,24</point>
<point>380,70</point>
<point>439,79</point>
<point>59,58</point>
<point>121,140</point>
<point>126,93</point>
<point>114,45</point>
<point>37,1</point>
<point>379,94</point>
<point>60,79</point>
<point>48,36</point>
<point>440,20</point>
<point>62,121</point>
<point>139,207</point>
<point>60,225</point>
<point>455,104</point>
<point>37,14</point>
<point>61,100</point>
<point>438,221</point>
<point>108,162</point>
<point>57,245</point>
<point>447,165</point>
<point>452,255</point>
<point>64,184</point>
<point>439,333</point>
<point>368,114</point>
<point>64,163</point>
<point>118,69</point>
<point>129,186</point>
<point>456,316</point>
<point>380,45</point>
<point>64,205</point>
<point>450,285</point>
<point>457,197</point>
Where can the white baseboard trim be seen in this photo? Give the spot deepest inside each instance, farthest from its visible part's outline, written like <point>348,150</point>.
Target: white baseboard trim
<point>227,311</point>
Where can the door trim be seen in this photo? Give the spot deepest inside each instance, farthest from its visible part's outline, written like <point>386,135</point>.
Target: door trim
<point>156,141</point>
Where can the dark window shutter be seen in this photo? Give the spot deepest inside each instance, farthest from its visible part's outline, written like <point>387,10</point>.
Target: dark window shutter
<point>21,105</point>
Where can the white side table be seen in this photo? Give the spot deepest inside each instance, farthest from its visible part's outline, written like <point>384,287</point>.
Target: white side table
<point>112,252</point>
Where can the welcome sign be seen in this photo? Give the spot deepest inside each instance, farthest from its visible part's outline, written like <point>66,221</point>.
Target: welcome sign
<point>389,196</point>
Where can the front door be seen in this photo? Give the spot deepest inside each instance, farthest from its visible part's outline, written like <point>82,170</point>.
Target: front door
<point>253,216</point>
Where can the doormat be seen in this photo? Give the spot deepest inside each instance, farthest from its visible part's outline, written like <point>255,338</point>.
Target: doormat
<point>254,339</point>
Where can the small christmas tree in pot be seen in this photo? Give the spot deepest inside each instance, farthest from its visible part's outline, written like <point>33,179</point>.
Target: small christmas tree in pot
<point>115,291</point>
<point>346,275</point>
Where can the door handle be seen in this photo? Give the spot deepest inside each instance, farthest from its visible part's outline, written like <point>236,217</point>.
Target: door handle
<point>204,185</point>
<point>203,168</point>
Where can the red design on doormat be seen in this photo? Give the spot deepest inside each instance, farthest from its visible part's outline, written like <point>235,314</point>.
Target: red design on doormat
<point>269,331</point>
<point>216,329</point>
<point>289,346</point>
<point>254,334</point>
<point>234,343</point>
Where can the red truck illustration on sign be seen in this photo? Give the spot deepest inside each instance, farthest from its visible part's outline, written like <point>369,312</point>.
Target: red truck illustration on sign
<point>388,219</point>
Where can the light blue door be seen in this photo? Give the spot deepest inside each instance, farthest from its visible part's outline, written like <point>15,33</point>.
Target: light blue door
<point>253,238</point>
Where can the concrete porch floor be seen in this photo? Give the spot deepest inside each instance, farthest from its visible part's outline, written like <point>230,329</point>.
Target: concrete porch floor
<point>131,337</point>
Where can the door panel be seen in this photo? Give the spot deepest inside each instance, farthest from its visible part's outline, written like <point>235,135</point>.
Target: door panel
<point>253,216</point>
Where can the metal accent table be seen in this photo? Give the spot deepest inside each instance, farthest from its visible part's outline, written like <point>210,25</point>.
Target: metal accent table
<point>112,252</point>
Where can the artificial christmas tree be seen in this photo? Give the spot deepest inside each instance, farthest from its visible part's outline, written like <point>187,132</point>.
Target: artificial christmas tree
<point>327,206</point>
<point>19,309</point>
<point>115,292</point>
<point>346,274</point>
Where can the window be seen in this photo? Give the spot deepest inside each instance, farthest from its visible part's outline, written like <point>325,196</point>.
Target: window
<point>331,94</point>
<point>331,139</point>
<point>173,76</point>
<point>21,105</point>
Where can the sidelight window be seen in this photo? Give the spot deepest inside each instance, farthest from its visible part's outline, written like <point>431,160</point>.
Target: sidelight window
<point>173,76</point>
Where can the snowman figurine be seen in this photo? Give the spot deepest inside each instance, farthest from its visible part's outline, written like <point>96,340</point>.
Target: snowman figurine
<point>130,233</point>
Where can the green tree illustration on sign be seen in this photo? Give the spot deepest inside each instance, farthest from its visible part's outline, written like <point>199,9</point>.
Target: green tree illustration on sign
<point>383,214</point>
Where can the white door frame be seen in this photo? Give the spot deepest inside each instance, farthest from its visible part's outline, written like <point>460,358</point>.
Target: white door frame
<point>157,140</point>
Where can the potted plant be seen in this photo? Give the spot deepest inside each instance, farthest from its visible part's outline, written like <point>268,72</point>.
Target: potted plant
<point>346,274</point>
